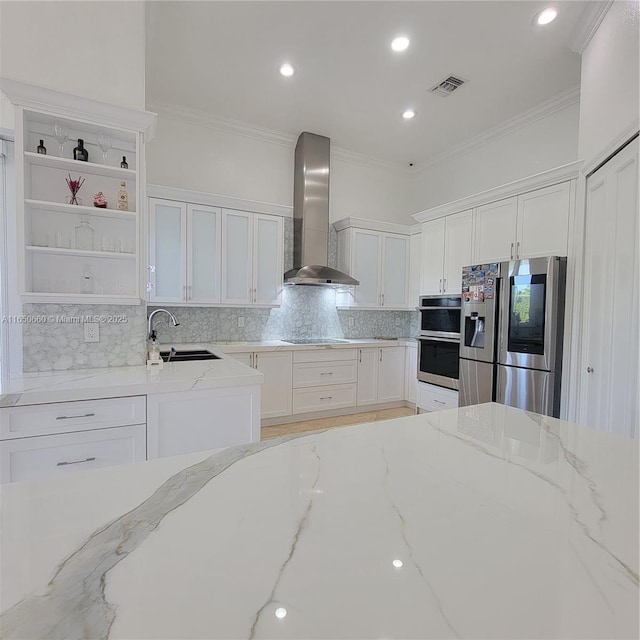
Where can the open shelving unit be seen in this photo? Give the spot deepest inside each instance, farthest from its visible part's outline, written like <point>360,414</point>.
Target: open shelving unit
<point>51,267</point>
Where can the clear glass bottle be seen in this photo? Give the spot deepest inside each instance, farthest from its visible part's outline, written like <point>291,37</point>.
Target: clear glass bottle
<point>124,164</point>
<point>86,281</point>
<point>41,148</point>
<point>122,197</point>
<point>84,236</point>
<point>80,153</point>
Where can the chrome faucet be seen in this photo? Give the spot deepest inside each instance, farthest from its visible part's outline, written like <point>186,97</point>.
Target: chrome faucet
<point>152,331</point>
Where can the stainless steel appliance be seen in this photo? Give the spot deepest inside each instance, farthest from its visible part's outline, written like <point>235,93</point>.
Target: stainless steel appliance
<point>512,332</point>
<point>439,340</point>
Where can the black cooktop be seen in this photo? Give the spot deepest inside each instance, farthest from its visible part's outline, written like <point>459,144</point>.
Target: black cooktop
<point>315,341</point>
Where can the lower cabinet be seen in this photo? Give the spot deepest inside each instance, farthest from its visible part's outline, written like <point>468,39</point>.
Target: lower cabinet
<point>381,373</point>
<point>411,374</point>
<point>434,398</point>
<point>276,388</point>
<point>188,421</point>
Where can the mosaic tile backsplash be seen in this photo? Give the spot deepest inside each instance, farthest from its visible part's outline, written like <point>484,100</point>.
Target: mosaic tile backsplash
<point>57,344</point>
<point>306,312</point>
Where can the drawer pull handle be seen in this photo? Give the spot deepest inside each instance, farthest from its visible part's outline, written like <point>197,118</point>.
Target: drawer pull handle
<point>62,464</point>
<point>327,398</point>
<point>439,401</point>
<point>326,373</point>
<point>84,415</point>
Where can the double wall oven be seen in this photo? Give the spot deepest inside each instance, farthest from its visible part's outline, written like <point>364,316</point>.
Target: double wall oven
<point>439,340</point>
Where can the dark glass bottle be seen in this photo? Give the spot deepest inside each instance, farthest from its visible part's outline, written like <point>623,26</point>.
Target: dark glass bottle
<point>80,153</point>
<point>41,148</point>
<point>124,164</point>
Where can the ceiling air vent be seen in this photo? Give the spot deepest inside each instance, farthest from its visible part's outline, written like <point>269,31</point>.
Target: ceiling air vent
<point>447,87</point>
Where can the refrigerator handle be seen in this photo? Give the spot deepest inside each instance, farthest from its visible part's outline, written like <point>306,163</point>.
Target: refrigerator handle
<point>512,251</point>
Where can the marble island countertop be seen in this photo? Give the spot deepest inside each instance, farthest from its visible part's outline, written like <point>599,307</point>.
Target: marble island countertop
<point>112,382</point>
<point>480,522</point>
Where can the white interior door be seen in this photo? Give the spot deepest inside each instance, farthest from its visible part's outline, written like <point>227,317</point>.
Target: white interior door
<point>204,253</point>
<point>237,268</point>
<point>395,270</point>
<point>496,231</point>
<point>268,262</point>
<point>432,256</point>
<point>366,267</point>
<point>608,389</point>
<point>167,250</point>
<point>458,251</point>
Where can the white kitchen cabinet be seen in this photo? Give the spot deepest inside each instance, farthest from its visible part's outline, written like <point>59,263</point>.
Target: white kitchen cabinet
<point>447,246</point>
<point>252,258</point>
<point>411,374</point>
<point>415,268</point>
<point>530,225</point>
<point>185,422</point>
<point>380,261</point>
<point>381,373</point>
<point>276,366</point>
<point>430,397</point>
<point>204,250</point>
<point>53,266</point>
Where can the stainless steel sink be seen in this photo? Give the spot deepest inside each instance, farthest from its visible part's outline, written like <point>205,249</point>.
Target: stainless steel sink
<point>184,356</point>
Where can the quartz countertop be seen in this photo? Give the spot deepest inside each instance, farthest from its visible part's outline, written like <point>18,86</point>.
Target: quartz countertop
<point>113,382</point>
<point>479,522</point>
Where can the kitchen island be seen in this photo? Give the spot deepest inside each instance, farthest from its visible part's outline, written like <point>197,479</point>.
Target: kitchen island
<point>480,522</point>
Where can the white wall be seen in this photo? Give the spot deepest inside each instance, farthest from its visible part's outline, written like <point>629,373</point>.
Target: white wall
<point>211,158</point>
<point>544,144</point>
<point>609,104</point>
<point>95,49</point>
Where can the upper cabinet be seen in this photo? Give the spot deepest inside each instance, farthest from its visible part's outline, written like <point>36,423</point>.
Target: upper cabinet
<point>205,255</point>
<point>380,261</point>
<point>446,247</point>
<point>530,225</point>
<point>79,197</point>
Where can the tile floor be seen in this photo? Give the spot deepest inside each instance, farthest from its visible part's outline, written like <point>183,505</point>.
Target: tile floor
<point>337,421</point>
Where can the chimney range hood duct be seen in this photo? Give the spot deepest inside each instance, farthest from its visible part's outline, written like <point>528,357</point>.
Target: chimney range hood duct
<point>311,216</point>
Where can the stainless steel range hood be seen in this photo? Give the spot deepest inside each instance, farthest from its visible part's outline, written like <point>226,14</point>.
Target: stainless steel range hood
<point>311,216</point>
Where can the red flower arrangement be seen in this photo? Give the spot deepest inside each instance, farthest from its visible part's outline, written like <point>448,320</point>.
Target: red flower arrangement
<point>74,187</point>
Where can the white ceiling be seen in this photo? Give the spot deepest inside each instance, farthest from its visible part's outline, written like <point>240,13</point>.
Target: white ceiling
<point>223,57</point>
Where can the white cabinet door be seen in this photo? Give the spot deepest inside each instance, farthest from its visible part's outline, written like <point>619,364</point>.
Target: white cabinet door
<point>608,391</point>
<point>204,247</point>
<point>268,262</point>
<point>432,256</point>
<point>390,374</point>
<point>167,250</point>
<point>458,250</point>
<point>543,222</point>
<point>276,396</point>
<point>496,231</point>
<point>411,374</point>
<point>415,270</point>
<point>189,421</point>
<point>237,268</point>
<point>245,358</point>
<point>366,260</point>
<point>367,376</point>
<point>395,270</point>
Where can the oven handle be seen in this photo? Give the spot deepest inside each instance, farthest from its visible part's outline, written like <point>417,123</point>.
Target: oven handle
<point>438,308</point>
<point>434,339</point>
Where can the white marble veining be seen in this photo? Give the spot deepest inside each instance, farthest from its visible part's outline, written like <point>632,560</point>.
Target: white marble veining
<point>481,522</point>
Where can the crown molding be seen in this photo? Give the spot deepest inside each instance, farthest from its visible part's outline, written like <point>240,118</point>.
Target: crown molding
<point>373,225</point>
<point>226,125</point>
<point>74,107</point>
<point>215,200</point>
<point>591,18</point>
<point>557,103</point>
<point>548,178</point>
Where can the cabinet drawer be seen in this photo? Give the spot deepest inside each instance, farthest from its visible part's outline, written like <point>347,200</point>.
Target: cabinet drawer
<point>324,355</point>
<point>312,374</point>
<point>321,398</point>
<point>432,398</point>
<point>59,455</point>
<point>64,417</point>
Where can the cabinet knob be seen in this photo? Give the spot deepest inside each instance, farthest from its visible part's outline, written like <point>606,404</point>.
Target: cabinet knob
<point>589,369</point>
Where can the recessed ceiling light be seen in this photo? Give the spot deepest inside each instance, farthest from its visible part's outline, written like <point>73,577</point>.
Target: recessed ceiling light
<point>287,70</point>
<point>397,564</point>
<point>281,612</point>
<point>546,16</point>
<point>408,114</point>
<point>400,43</point>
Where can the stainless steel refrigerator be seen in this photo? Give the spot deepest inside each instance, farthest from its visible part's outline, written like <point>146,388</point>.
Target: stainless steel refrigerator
<point>512,326</point>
